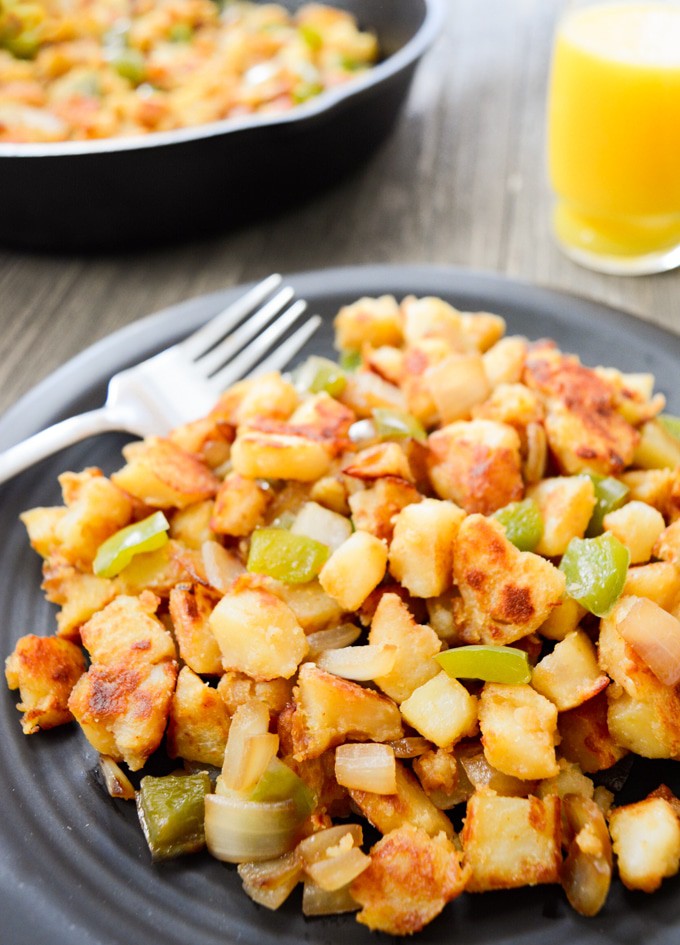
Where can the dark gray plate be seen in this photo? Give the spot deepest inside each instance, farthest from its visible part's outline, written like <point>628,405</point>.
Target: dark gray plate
<point>124,192</point>
<point>74,869</point>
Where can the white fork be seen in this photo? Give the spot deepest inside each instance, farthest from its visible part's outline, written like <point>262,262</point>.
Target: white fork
<point>183,382</point>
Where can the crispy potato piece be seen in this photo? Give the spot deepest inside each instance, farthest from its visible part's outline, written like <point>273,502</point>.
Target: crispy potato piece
<point>585,737</point>
<point>667,545</point>
<point>458,384</point>
<point>239,507</point>
<point>368,321</point>
<point>331,710</point>
<point>163,476</point>
<point>322,417</point>
<point>190,609</point>
<point>410,805</point>
<point>653,486</point>
<point>659,581</point>
<point>257,454</point>
<point>198,723</point>
<point>442,778</point>
<point>513,404</point>
<point>354,569</point>
<point>44,670</point>
<point>442,710</point>
<point>566,504</point>
<point>411,878</point>
<point>476,464</point>
<point>80,594</point>
<point>563,619</point>
<point>375,508</point>
<point>506,594</point>
<point>511,841</point>
<point>374,462</point>
<point>569,780</point>
<point>41,525</point>
<point>236,688</point>
<point>123,708</point>
<point>430,317</point>
<point>421,552</point>
<point>504,362</point>
<point>585,430</point>
<point>483,329</point>
<point>416,645</point>
<point>191,525</point>
<point>257,633</point>
<point>208,438</point>
<point>480,774</point>
<point>638,526</point>
<point>127,632</point>
<point>518,730</point>
<point>570,675</point>
<point>646,839</point>
<point>268,395</point>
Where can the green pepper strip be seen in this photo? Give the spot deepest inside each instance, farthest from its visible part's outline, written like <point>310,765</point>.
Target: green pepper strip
<point>295,559</point>
<point>279,783</point>
<point>610,494</point>
<point>119,550</point>
<point>501,664</point>
<point>172,812</point>
<point>397,424</point>
<point>596,570</point>
<point>523,523</point>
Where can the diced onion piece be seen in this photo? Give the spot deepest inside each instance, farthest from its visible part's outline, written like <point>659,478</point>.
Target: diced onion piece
<point>362,432</point>
<point>239,831</point>
<point>533,468</point>
<point>366,767</point>
<point>116,781</point>
<point>270,882</point>
<point>359,662</point>
<point>250,747</point>
<point>222,567</point>
<point>654,634</point>
<point>337,871</point>
<point>334,639</point>
<point>323,525</point>
<point>411,746</point>
<point>500,664</point>
<point>316,846</point>
<point>317,901</point>
<point>587,870</point>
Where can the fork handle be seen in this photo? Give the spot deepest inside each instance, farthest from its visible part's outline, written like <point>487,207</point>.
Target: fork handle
<point>54,438</point>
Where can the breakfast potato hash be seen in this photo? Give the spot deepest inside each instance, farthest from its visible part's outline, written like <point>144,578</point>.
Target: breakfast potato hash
<point>83,69</point>
<point>394,617</point>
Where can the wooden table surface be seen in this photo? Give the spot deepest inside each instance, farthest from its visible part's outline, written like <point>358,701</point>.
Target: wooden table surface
<point>460,181</point>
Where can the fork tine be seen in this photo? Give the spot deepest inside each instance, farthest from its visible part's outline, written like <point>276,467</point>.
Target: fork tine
<point>249,357</point>
<point>279,358</point>
<point>205,337</point>
<point>251,327</point>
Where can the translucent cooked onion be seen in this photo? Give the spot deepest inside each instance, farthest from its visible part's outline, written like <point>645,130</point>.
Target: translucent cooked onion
<point>334,872</point>
<point>334,639</point>
<point>316,846</point>
<point>222,567</point>
<point>250,746</point>
<point>314,521</point>
<point>239,831</point>
<point>410,747</point>
<point>318,901</point>
<point>654,634</point>
<point>270,882</point>
<point>359,662</point>
<point>116,781</point>
<point>366,767</point>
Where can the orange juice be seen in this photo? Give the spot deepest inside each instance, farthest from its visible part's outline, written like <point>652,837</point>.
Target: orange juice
<point>614,136</point>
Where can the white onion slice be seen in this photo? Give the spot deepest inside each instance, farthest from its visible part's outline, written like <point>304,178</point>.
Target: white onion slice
<point>654,634</point>
<point>359,662</point>
<point>366,767</point>
<point>317,901</point>
<point>239,831</point>
<point>270,882</point>
<point>250,746</point>
<point>222,567</point>
<point>316,846</point>
<point>334,639</point>
<point>411,746</point>
<point>334,872</point>
<point>315,521</point>
<point>117,782</point>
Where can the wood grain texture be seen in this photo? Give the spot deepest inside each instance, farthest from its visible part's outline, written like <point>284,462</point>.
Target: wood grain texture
<point>460,181</point>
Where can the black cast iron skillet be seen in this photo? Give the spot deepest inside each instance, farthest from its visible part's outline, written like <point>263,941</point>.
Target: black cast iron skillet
<point>125,192</point>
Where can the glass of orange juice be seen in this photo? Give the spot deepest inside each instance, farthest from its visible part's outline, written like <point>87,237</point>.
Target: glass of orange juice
<point>614,135</point>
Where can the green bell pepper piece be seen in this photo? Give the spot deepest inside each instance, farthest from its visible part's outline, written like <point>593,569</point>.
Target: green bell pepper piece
<point>670,424</point>
<point>279,783</point>
<point>523,523</point>
<point>171,811</point>
<point>610,494</point>
<point>319,374</point>
<point>295,559</point>
<point>397,424</point>
<point>501,664</point>
<point>596,570</point>
<point>119,550</point>
<point>130,64</point>
<point>658,448</point>
<point>350,360</point>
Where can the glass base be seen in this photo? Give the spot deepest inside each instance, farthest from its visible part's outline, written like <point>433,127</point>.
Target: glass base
<point>646,265</point>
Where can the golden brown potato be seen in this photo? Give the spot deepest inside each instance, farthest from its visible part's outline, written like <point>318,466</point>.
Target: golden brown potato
<point>566,504</point>
<point>163,476</point>
<point>368,321</point>
<point>569,675</point>
<point>268,395</point>
<point>127,632</point>
<point>518,730</point>
<point>255,454</point>
<point>585,737</point>
<point>235,689</point>
<point>411,878</point>
<point>646,838</point>
<point>198,722</point>
<point>374,462</point>
<point>44,670</point>
<point>239,507</point>
<point>442,710</point>
<point>354,569</point>
<point>375,508</point>
<point>638,526</point>
<point>80,594</point>
<point>416,645</point>
<point>421,551</point>
<point>190,609</point>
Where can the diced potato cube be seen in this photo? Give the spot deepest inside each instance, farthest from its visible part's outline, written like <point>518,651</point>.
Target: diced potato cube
<point>476,464</point>
<point>518,730</point>
<point>563,619</point>
<point>566,504</point>
<point>279,456</point>
<point>266,396</point>
<point>44,670</point>
<point>199,722</point>
<point>409,881</point>
<point>658,581</point>
<point>374,462</point>
<point>313,607</point>
<point>431,317</point>
<point>421,552</point>
<point>638,526</point>
<point>368,321</point>
<point>457,384</point>
<point>191,525</point>
<point>190,609</point>
<point>127,632</point>
<point>653,486</point>
<point>569,675</point>
<point>667,546</point>
<point>511,841</point>
<point>646,839</point>
<point>331,710</point>
<point>480,774</point>
<point>585,736</point>
<point>41,525</point>
<point>442,710</point>
<point>483,329</point>
<point>416,645</point>
<point>569,780</point>
<point>375,508</point>
<point>258,634</point>
<point>163,476</point>
<point>239,507</point>
<point>410,805</point>
<point>80,594</point>
<point>506,594</point>
<point>504,362</point>
<point>208,438</point>
<point>354,570</point>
